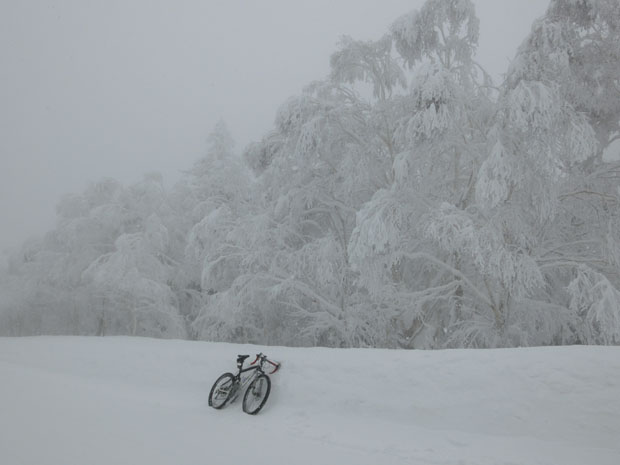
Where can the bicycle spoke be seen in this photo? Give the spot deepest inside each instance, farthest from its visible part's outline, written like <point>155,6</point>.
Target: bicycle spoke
<point>256,394</point>
<point>221,391</point>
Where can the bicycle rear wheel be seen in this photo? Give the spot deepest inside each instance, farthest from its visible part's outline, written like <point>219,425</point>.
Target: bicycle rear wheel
<point>222,390</point>
<point>256,395</point>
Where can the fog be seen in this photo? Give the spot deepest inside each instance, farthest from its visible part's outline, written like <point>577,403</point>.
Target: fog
<point>118,89</point>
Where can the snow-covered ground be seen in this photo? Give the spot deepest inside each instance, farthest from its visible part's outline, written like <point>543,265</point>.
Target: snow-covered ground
<point>67,401</point>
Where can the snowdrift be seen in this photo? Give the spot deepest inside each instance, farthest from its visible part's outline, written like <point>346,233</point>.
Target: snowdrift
<point>67,400</point>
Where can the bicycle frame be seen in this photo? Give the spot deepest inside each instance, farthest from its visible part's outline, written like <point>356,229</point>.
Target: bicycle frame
<point>241,383</point>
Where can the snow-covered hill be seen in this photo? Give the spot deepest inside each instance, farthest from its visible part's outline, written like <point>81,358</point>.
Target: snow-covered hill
<point>80,401</point>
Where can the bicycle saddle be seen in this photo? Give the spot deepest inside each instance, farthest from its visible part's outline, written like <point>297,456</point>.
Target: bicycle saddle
<point>241,358</point>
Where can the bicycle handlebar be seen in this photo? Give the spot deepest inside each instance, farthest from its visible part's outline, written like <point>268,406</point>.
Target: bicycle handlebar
<point>263,358</point>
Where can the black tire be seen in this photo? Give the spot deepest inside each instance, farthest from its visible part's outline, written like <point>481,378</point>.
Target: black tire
<point>256,394</point>
<point>222,390</point>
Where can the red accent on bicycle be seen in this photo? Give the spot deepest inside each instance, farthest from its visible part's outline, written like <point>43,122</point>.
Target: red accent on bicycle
<point>264,359</point>
<point>275,364</point>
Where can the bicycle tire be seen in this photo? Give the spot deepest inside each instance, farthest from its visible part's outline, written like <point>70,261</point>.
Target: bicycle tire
<point>256,395</point>
<point>221,391</point>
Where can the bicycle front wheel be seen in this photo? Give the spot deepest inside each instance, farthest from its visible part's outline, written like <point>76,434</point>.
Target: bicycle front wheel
<point>256,395</point>
<point>222,390</point>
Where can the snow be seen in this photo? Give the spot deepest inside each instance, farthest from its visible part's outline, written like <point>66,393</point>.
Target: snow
<point>611,153</point>
<point>67,400</point>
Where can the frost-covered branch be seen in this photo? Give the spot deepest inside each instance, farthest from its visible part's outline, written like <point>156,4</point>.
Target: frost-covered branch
<point>589,192</point>
<point>452,270</point>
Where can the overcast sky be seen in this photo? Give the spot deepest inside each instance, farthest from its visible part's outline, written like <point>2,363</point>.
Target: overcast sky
<point>92,89</point>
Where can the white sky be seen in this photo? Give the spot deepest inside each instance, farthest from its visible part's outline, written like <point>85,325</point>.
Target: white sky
<point>92,89</point>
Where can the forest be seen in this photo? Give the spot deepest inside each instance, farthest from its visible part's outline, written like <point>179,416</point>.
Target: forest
<point>404,201</point>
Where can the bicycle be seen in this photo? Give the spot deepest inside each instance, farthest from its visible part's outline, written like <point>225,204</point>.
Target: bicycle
<point>227,387</point>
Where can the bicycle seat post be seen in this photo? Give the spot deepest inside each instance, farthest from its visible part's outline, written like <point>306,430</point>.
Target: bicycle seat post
<point>240,360</point>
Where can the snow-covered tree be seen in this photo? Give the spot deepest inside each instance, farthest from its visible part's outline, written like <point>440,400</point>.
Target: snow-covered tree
<point>132,281</point>
<point>545,163</point>
<point>216,187</point>
<point>276,248</point>
<point>421,282</point>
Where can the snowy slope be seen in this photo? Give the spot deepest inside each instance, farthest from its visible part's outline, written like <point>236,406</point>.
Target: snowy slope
<point>109,401</point>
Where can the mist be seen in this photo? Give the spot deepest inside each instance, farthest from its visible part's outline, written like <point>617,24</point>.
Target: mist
<point>118,89</point>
